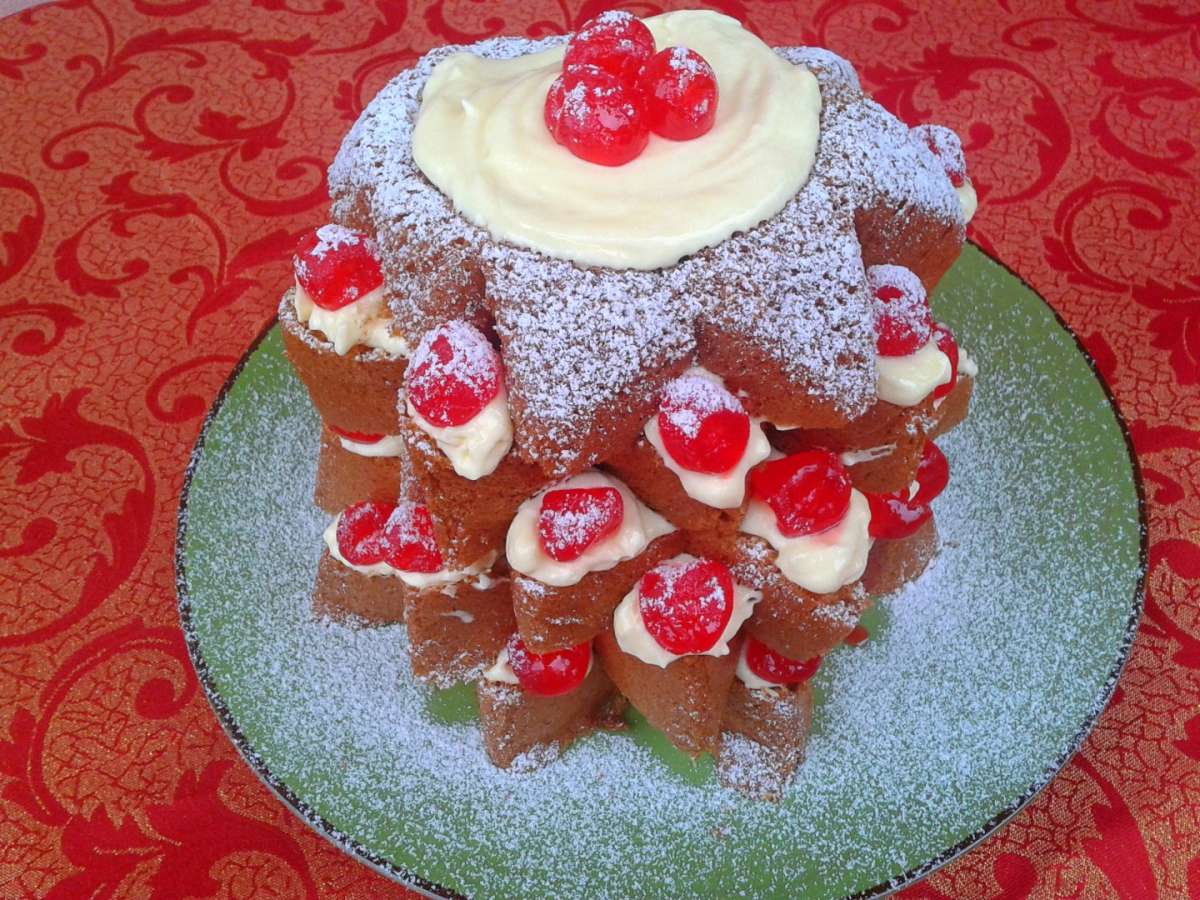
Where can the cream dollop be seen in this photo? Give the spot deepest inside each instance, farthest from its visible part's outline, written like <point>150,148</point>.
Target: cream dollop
<point>481,139</point>
<point>822,562</point>
<point>967,199</point>
<point>418,580</point>
<point>967,365</point>
<point>907,380</point>
<point>748,678</point>
<point>723,491</point>
<point>501,669</point>
<point>388,445</point>
<point>869,454</point>
<point>639,526</point>
<point>476,447</point>
<point>635,639</point>
<point>366,321</point>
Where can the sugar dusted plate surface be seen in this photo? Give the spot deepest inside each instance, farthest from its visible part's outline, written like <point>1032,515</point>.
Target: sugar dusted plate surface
<point>977,682</point>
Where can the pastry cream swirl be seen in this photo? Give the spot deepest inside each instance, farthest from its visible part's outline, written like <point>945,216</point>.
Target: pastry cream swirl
<point>481,139</point>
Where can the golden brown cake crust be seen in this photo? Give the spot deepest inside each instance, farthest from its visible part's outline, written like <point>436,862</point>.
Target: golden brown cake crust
<point>685,701</point>
<point>893,564</point>
<point>344,595</point>
<point>344,478</point>
<point>355,392</point>
<point>763,736</point>
<point>529,730</point>
<point>456,631</point>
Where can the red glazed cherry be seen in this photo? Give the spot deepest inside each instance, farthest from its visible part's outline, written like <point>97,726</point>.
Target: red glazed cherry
<point>553,107</point>
<point>358,437</point>
<point>453,374</point>
<point>946,343</point>
<point>573,519</point>
<point>933,473</point>
<point>686,606</point>
<point>408,540</point>
<point>681,93</point>
<point>777,668</point>
<point>336,266</point>
<point>360,532</point>
<point>703,427</point>
<point>616,41</point>
<point>549,674</point>
<point>946,146</point>
<point>809,492</point>
<point>903,322</point>
<point>896,515</point>
<point>602,119</point>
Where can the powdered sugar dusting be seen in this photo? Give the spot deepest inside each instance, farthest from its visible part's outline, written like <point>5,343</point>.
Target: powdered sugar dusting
<point>690,399</point>
<point>580,341</point>
<point>920,734</point>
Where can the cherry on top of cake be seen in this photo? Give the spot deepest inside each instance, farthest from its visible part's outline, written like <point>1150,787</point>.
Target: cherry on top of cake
<point>776,668</point>
<point>702,425</point>
<point>901,514</point>
<point>686,606</point>
<point>808,492</point>
<point>582,341</point>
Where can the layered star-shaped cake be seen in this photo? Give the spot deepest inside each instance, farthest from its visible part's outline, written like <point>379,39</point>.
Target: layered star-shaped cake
<point>628,376</point>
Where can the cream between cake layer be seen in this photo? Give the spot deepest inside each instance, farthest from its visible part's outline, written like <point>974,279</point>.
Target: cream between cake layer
<point>474,448</point>
<point>388,445</point>
<point>481,138</point>
<point>821,562</point>
<point>728,489</point>
<point>365,322</point>
<point>639,526</point>
<point>907,380</point>
<point>869,454</point>
<point>501,670</point>
<point>748,678</point>
<point>418,580</point>
<point>635,639</point>
<point>968,199</point>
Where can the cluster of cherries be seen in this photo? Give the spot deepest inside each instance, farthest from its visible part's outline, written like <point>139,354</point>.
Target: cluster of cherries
<point>615,90</point>
<point>399,534</point>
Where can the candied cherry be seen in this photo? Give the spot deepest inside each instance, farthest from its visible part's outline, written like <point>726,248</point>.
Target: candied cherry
<point>573,519</point>
<point>777,668</point>
<point>454,373</point>
<point>549,674</point>
<point>358,437</point>
<point>898,515</point>
<point>616,41</point>
<point>686,606</point>
<point>947,147</point>
<point>809,492</point>
<point>703,426</point>
<point>360,532</point>
<point>681,93</point>
<point>408,540</point>
<point>601,118</point>
<point>946,343</point>
<point>903,321</point>
<point>336,266</point>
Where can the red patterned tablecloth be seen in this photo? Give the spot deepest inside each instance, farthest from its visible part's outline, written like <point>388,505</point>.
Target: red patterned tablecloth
<point>159,158</point>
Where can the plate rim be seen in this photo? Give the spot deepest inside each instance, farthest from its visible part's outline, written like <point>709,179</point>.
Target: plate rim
<point>417,882</point>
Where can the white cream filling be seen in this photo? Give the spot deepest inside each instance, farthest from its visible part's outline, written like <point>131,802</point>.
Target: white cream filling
<point>967,365</point>
<point>501,670</point>
<point>870,454</point>
<point>635,639</point>
<point>481,138</point>
<point>907,380</point>
<point>639,526</point>
<point>366,321</point>
<point>728,489</point>
<point>418,580</point>
<point>822,562</point>
<point>748,678</point>
<point>388,445</point>
<point>476,447</point>
<point>967,199</point>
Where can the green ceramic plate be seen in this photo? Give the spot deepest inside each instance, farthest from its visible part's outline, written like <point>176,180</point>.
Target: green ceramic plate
<point>977,683</point>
